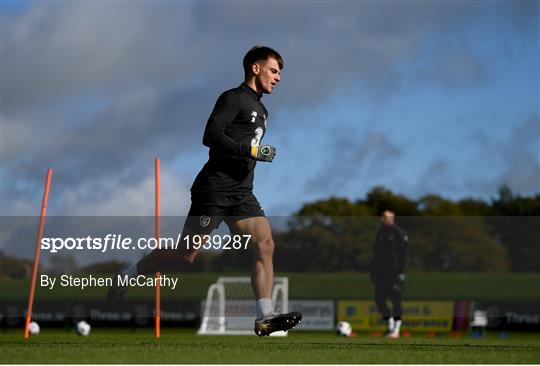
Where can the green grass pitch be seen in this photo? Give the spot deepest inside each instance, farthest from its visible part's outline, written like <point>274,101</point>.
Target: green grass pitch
<point>184,346</point>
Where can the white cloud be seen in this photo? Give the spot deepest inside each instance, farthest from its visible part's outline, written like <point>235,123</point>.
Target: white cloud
<point>16,134</point>
<point>110,196</point>
<point>118,199</point>
<point>148,66</point>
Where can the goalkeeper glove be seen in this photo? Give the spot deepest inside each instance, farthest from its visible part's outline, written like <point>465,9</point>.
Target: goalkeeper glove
<point>263,153</point>
<point>400,282</point>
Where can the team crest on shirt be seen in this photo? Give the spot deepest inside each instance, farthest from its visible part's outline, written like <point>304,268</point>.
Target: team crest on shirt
<point>204,221</point>
<point>254,115</point>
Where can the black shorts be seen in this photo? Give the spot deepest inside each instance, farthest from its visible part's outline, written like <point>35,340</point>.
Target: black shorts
<point>204,217</point>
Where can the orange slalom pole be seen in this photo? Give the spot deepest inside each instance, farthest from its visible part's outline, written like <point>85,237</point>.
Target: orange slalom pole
<point>158,306</point>
<point>37,253</point>
<point>158,275</point>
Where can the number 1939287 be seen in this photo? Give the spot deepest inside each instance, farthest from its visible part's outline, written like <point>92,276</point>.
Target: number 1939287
<point>217,242</point>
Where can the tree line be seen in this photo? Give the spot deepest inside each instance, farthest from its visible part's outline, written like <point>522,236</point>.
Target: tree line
<point>337,234</point>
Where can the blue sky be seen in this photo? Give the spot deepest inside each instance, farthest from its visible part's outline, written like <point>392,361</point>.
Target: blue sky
<point>421,97</point>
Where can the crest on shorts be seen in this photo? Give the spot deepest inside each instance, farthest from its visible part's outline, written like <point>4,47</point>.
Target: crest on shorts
<point>204,220</point>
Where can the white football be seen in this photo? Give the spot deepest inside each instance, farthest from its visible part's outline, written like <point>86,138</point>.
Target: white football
<point>344,328</point>
<point>83,328</point>
<point>33,328</point>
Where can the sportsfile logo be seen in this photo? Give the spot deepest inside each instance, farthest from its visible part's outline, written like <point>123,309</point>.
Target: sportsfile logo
<point>109,242</point>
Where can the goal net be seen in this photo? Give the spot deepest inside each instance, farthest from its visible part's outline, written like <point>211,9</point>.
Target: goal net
<point>229,308</point>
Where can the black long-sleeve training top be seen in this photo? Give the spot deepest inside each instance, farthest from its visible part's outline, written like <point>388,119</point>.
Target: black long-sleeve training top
<point>389,253</point>
<point>237,123</point>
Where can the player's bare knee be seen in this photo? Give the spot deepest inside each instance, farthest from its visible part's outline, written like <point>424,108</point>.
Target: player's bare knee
<point>189,257</point>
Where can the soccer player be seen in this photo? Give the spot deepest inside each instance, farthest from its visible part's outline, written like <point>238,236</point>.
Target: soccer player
<point>388,271</point>
<point>223,189</point>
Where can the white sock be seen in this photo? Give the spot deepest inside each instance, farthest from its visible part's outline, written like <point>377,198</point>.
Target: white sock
<point>131,271</point>
<point>397,326</point>
<point>264,307</point>
<point>391,324</point>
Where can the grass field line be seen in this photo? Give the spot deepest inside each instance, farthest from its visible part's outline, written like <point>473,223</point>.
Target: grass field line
<point>183,346</point>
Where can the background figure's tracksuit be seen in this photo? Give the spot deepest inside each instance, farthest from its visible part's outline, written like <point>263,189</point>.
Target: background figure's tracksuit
<point>389,257</point>
<point>223,189</point>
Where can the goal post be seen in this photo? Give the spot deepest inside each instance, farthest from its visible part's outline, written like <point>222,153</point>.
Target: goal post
<point>229,308</point>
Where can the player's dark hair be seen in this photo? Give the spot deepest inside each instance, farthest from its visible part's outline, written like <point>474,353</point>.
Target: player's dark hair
<point>259,53</point>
